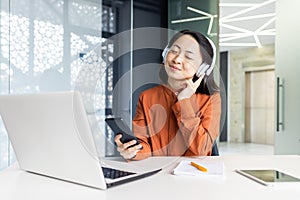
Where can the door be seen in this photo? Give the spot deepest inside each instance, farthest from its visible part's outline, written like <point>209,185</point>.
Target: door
<point>287,70</point>
<point>259,106</point>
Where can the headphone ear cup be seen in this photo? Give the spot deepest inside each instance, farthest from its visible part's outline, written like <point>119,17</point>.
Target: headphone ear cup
<point>164,53</point>
<point>202,69</point>
<point>209,70</point>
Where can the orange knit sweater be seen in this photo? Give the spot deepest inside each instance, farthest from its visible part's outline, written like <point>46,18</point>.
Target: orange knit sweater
<point>168,127</point>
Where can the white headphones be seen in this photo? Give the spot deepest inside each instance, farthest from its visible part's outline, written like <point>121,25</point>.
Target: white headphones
<point>204,68</point>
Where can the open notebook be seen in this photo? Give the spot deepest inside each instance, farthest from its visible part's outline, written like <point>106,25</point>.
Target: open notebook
<point>186,168</point>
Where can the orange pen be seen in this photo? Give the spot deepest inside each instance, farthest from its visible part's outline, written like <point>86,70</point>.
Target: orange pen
<point>199,167</point>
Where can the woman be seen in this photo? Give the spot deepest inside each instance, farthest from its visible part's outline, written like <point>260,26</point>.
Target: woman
<point>182,116</point>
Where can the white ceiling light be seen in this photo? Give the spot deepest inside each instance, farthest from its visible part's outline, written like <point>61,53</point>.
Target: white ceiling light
<point>188,20</point>
<point>251,8</point>
<point>249,17</point>
<point>253,21</point>
<point>237,4</point>
<point>238,44</point>
<point>242,27</point>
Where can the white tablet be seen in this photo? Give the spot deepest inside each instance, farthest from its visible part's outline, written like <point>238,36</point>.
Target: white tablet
<point>268,177</point>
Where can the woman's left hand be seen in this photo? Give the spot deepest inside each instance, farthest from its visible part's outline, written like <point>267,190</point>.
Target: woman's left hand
<point>190,88</point>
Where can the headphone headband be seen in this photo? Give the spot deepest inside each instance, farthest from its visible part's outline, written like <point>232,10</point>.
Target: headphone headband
<point>213,46</point>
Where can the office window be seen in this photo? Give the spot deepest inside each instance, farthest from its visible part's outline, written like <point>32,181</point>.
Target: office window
<point>43,45</point>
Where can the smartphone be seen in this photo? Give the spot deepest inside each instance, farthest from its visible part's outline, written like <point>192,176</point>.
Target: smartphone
<point>118,126</point>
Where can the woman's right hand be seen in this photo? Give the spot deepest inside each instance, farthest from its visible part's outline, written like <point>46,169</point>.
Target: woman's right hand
<point>124,148</point>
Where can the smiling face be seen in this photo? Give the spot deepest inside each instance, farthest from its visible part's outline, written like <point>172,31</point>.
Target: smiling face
<point>183,58</point>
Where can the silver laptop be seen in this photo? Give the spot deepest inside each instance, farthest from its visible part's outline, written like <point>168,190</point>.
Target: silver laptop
<point>51,136</point>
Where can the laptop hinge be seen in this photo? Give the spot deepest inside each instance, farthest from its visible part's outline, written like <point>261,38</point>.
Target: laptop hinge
<point>132,178</point>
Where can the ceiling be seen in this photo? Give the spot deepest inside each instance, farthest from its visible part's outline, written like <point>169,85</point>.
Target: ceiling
<point>246,23</point>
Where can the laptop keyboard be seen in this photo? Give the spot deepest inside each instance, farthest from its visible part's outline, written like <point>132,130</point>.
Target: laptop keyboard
<point>114,173</point>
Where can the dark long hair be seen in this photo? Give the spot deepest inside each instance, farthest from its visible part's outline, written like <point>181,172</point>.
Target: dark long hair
<point>208,85</point>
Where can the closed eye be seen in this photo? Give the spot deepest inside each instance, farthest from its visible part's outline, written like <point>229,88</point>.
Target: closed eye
<point>189,58</point>
<point>173,51</point>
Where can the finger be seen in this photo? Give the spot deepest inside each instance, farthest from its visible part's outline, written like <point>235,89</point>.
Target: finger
<point>134,154</point>
<point>197,83</point>
<point>120,149</point>
<point>117,140</point>
<point>128,144</point>
<point>135,148</point>
<point>189,82</point>
<point>129,156</point>
<point>126,155</point>
<point>130,152</point>
<point>133,151</point>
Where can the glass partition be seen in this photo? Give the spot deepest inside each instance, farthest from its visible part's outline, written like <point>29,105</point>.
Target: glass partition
<point>41,47</point>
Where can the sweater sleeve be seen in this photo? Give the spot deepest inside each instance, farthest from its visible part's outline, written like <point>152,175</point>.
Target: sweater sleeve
<point>139,126</point>
<point>199,127</point>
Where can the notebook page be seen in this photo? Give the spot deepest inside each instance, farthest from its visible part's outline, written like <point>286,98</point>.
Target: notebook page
<point>185,168</point>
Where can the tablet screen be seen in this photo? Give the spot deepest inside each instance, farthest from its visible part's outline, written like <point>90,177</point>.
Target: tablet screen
<point>271,176</point>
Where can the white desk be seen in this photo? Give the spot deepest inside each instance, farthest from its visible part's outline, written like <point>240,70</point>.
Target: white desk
<point>17,184</point>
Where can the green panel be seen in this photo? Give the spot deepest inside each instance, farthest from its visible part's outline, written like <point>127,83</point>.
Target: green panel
<point>189,12</point>
<point>182,10</point>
